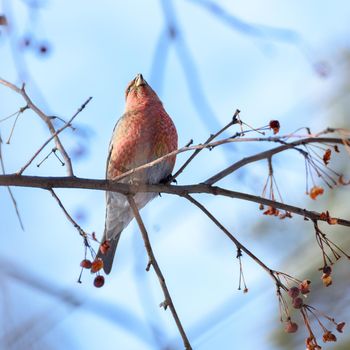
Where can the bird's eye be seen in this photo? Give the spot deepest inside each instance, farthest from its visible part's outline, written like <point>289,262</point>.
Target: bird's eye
<point>128,89</point>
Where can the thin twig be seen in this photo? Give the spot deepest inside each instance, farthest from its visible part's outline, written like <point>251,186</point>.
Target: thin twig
<point>13,128</point>
<point>211,138</point>
<point>72,221</point>
<point>124,188</point>
<point>68,124</point>
<point>238,244</point>
<point>45,118</point>
<point>168,301</point>
<point>267,154</point>
<point>9,189</point>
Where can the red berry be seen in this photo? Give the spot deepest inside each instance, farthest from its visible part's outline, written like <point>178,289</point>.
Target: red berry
<point>96,265</point>
<point>291,327</point>
<point>275,126</point>
<point>328,336</point>
<point>86,264</point>
<point>304,287</point>
<point>297,303</point>
<point>293,292</point>
<point>340,327</point>
<point>99,281</point>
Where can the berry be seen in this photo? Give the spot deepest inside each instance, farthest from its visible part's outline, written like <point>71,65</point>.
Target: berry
<point>86,264</point>
<point>291,327</point>
<point>298,303</point>
<point>293,292</point>
<point>99,281</point>
<point>96,265</point>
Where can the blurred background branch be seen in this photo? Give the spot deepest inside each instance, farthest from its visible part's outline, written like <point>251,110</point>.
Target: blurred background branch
<point>205,58</point>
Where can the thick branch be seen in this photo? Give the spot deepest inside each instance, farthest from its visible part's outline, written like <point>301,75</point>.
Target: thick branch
<point>106,185</point>
<point>153,261</point>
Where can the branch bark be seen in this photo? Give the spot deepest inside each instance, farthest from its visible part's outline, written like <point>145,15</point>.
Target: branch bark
<point>269,153</point>
<point>127,189</point>
<point>238,244</point>
<point>153,262</point>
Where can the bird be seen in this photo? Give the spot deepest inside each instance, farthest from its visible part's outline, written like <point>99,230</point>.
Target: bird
<point>144,133</point>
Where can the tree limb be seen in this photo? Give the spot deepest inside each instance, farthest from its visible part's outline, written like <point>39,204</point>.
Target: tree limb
<point>108,185</point>
<point>153,261</point>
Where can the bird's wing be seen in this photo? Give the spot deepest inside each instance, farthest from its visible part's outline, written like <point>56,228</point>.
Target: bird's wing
<point>116,204</point>
<point>116,209</point>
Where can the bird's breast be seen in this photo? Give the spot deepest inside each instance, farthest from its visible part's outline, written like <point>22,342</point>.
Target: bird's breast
<point>140,137</point>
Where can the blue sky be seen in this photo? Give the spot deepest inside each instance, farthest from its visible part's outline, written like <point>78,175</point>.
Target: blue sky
<point>95,50</point>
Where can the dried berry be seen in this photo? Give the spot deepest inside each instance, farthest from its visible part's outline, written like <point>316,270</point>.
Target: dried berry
<point>297,303</point>
<point>340,327</point>
<point>325,216</point>
<point>327,156</point>
<point>304,287</point>
<point>293,292</point>
<point>275,126</point>
<point>86,264</point>
<point>311,343</point>
<point>316,191</point>
<point>329,336</point>
<point>291,327</point>
<point>271,211</point>
<point>97,265</point>
<point>99,281</point>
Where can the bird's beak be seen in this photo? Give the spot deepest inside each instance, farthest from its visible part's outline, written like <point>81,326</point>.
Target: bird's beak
<point>139,80</point>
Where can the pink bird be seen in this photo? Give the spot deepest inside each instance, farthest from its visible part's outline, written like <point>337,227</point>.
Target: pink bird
<point>144,133</point>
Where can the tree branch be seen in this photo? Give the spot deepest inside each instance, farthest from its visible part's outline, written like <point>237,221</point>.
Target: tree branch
<point>152,261</point>
<point>237,243</point>
<point>269,153</point>
<point>45,118</point>
<point>243,161</point>
<point>66,125</point>
<point>108,185</point>
<point>13,199</point>
<point>211,138</point>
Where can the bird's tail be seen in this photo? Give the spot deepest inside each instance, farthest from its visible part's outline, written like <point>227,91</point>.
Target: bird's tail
<point>108,256</point>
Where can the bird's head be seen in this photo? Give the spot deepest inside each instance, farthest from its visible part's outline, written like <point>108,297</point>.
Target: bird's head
<point>138,92</point>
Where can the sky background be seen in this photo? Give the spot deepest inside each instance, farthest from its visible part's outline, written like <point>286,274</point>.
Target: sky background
<point>266,58</point>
